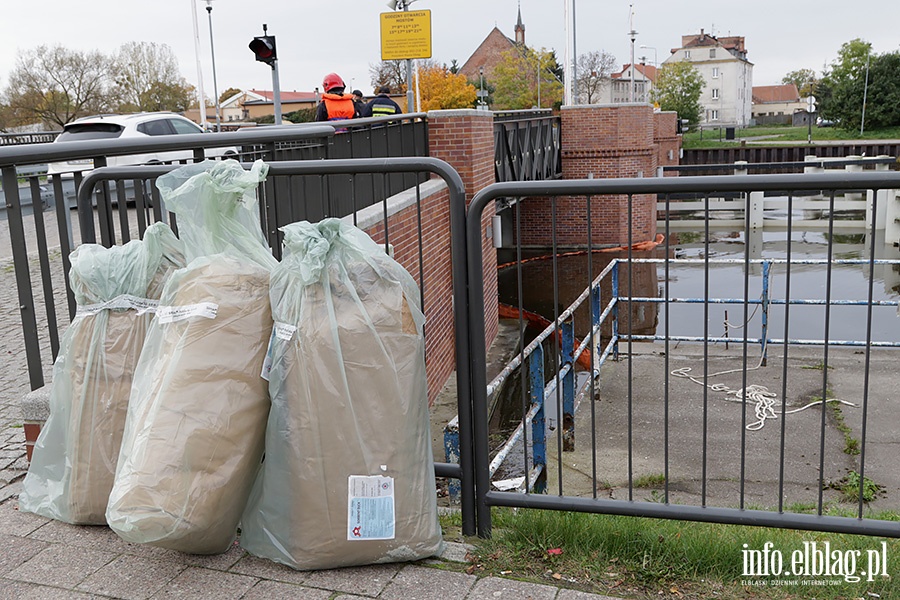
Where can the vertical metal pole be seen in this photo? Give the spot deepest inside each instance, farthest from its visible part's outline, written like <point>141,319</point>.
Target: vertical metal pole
<point>614,277</point>
<point>539,423</point>
<point>212,51</point>
<point>766,268</point>
<point>276,92</point>
<point>203,121</point>
<point>23,276</point>
<point>568,383</point>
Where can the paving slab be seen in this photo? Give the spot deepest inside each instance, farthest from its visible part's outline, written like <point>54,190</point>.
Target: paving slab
<point>17,551</point>
<point>267,569</point>
<point>131,578</point>
<point>206,584</point>
<point>61,566</point>
<point>278,590</point>
<point>365,581</point>
<point>17,590</point>
<point>16,522</point>
<point>427,583</point>
<point>497,588</point>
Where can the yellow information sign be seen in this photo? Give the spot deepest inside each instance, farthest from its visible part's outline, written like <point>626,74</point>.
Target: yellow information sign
<point>406,34</point>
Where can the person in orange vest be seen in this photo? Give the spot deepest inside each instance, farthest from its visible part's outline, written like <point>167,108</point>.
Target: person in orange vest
<point>335,105</point>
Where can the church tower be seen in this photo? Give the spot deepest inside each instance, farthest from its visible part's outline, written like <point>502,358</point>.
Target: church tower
<point>520,29</point>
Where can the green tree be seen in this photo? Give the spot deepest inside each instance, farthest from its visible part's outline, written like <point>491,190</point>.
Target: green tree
<point>804,79</point>
<point>678,87</point>
<point>526,78</point>
<point>228,94</point>
<point>841,90</point>
<point>54,86</point>
<point>877,85</point>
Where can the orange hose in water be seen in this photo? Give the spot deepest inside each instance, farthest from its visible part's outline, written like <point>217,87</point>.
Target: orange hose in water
<point>535,320</point>
<point>636,247</point>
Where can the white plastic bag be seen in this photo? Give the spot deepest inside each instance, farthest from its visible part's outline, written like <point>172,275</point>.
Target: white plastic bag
<point>116,289</point>
<point>196,418</point>
<point>348,477</point>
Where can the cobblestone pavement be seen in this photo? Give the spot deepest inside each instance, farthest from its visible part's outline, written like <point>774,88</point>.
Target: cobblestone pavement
<point>41,558</point>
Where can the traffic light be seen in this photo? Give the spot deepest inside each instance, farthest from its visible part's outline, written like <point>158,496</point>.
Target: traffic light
<point>264,48</point>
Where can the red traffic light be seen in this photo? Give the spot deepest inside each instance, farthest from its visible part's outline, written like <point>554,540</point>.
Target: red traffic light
<point>264,48</point>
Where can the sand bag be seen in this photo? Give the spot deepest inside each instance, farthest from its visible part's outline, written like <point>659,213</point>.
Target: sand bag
<point>348,477</point>
<point>116,290</point>
<point>196,421</point>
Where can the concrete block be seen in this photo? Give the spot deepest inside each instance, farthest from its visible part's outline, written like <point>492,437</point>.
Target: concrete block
<point>368,580</point>
<point>277,590</point>
<point>496,588</point>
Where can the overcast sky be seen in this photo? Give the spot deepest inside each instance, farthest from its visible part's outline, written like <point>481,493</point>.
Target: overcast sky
<point>317,37</point>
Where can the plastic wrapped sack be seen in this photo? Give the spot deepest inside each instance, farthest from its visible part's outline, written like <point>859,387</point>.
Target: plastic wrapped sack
<point>348,477</point>
<point>116,289</point>
<point>196,420</point>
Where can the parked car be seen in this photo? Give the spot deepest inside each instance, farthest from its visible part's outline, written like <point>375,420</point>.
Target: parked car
<point>113,126</point>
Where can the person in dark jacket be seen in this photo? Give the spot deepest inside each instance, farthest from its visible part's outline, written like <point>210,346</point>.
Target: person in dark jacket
<point>358,102</point>
<point>335,104</point>
<point>381,105</point>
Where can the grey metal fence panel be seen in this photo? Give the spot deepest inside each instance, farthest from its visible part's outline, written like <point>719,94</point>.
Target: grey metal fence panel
<point>633,429</point>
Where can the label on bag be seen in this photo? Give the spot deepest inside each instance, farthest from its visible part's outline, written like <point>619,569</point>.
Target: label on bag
<point>122,302</point>
<point>370,508</point>
<point>170,314</point>
<point>282,331</point>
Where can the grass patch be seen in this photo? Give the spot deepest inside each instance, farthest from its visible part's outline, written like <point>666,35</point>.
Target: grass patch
<point>819,366</point>
<point>641,558</point>
<point>849,487</point>
<point>783,133</point>
<point>851,444</point>
<point>650,481</point>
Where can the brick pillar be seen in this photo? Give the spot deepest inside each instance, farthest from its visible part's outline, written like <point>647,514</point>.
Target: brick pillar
<point>606,141</point>
<point>667,139</point>
<point>465,139</point>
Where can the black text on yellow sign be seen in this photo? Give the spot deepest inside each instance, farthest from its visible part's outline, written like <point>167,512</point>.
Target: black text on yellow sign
<point>406,35</point>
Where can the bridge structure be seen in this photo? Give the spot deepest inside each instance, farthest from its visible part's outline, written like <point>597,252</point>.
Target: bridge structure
<point>449,194</point>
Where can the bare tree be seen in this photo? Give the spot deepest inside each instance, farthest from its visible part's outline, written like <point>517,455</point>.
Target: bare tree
<point>55,85</point>
<point>593,71</point>
<point>147,78</point>
<point>389,72</point>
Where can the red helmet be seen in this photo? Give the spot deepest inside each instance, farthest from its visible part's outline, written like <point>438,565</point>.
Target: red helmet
<point>332,80</point>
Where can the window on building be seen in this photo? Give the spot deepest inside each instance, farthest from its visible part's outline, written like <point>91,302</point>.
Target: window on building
<point>687,53</point>
<point>715,93</point>
<point>715,72</point>
<point>712,52</point>
<point>713,115</point>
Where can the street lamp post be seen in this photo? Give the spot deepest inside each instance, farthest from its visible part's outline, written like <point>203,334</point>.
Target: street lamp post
<point>481,90</point>
<point>655,63</point>
<point>212,50</point>
<point>202,103</point>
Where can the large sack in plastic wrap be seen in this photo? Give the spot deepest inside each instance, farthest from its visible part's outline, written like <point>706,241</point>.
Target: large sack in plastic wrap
<point>196,420</point>
<point>348,477</point>
<point>116,290</point>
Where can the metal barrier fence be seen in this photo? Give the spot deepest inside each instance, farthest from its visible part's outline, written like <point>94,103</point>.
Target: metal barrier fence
<point>276,211</point>
<point>647,425</point>
<point>527,149</point>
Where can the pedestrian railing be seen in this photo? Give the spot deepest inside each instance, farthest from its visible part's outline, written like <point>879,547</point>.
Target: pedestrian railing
<point>652,426</point>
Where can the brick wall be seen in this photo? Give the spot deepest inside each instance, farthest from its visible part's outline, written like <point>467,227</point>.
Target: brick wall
<point>603,141</point>
<point>465,140</point>
<point>666,138</point>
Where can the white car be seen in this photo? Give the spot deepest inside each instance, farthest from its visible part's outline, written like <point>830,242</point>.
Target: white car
<point>131,126</point>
